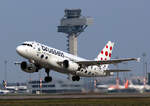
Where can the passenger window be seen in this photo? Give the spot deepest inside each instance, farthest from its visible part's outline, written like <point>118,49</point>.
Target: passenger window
<point>46,57</point>
<point>42,56</point>
<point>89,73</point>
<point>85,71</point>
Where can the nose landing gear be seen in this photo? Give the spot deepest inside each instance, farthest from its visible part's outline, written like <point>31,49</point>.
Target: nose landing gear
<point>48,78</point>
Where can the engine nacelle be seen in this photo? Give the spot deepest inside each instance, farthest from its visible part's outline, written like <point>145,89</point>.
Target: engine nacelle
<point>28,67</point>
<point>70,65</point>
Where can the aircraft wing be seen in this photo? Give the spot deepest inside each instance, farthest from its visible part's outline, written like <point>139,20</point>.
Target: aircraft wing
<point>113,61</point>
<point>17,63</point>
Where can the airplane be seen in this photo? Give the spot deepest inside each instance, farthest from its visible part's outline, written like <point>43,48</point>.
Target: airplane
<point>4,91</point>
<point>114,87</point>
<point>13,88</point>
<point>41,56</point>
<point>118,87</point>
<point>147,87</point>
<point>137,87</point>
<point>140,88</point>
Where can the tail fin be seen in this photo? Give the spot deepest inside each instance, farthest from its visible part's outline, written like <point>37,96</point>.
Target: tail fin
<point>126,84</point>
<point>105,54</point>
<point>4,83</point>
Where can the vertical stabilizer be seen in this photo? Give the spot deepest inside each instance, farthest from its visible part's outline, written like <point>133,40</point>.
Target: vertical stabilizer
<point>106,53</point>
<point>126,84</point>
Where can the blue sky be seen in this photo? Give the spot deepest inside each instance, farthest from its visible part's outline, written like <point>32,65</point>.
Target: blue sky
<point>126,22</point>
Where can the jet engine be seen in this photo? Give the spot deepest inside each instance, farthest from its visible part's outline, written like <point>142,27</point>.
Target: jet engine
<point>70,65</point>
<point>28,67</point>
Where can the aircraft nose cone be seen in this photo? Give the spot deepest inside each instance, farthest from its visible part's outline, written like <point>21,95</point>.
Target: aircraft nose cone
<point>20,50</point>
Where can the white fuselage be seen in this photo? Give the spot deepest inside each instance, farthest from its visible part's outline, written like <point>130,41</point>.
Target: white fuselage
<point>48,57</point>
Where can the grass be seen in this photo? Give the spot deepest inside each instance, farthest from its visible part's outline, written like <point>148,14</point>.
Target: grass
<point>78,102</point>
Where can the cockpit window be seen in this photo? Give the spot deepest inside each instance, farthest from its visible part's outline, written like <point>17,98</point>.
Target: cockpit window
<point>27,44</point>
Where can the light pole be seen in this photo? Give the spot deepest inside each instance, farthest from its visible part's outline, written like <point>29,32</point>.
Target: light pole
<point>117,57</point>
<point>117,77</point>
<point>144,66</point>
<point>40,81</point>
<point>5,73</point>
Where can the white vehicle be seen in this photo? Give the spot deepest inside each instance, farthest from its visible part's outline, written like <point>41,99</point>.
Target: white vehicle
<point>42,56</point>
<point>4,91</point>
<point>15,88</point>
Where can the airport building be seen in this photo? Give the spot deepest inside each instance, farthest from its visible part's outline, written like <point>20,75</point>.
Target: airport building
<point>73,24</point>
<point>148,79</point>
<point>56,86</point>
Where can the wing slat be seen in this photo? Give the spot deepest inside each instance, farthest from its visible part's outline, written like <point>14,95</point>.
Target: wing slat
<point>113,61</point>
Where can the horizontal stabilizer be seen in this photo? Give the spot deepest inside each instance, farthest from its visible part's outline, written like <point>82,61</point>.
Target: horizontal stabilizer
<point>116,70</point>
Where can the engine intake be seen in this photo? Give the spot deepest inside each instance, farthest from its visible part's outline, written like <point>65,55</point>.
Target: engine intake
<point>65,63</point>
<point>23,65</point>
<point>70,65</point>
<point>28,67</point>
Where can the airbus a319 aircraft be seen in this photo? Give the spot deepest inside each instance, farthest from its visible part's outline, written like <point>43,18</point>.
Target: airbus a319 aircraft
<point>41,56</point>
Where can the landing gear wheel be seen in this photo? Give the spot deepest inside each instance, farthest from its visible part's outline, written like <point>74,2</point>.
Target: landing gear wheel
<point>48,79</point>
<point>75,78</point>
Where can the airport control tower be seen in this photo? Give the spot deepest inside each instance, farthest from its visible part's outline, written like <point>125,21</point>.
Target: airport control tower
<point>72,24</point>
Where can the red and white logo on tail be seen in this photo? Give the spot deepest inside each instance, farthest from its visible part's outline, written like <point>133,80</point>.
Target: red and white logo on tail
<point>105,54</point>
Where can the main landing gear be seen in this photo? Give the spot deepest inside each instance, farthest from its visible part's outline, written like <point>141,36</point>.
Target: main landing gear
<point>75,78</point>
<point>47,78</point>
